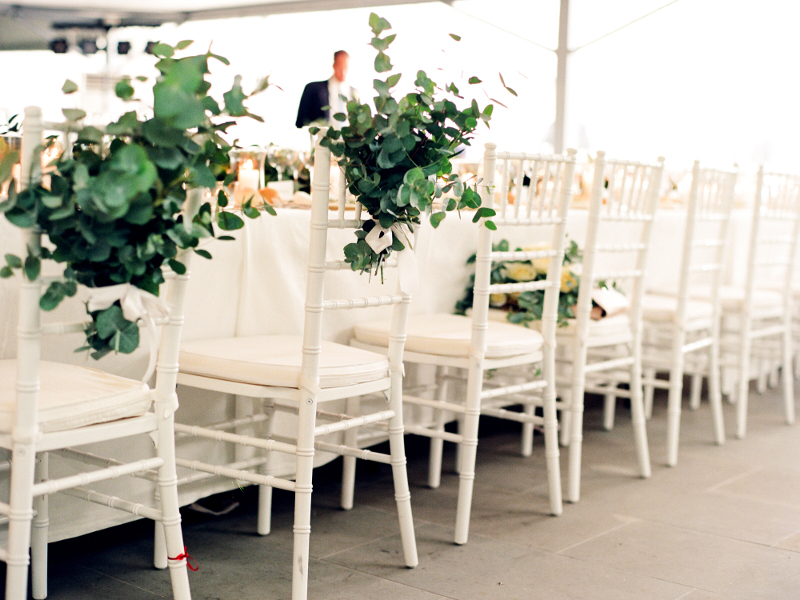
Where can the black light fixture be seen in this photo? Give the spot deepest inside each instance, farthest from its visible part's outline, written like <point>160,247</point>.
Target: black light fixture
<point>123,47</point>
<point>59,45</point>
<point>149,47</point>
<point>88,45</point>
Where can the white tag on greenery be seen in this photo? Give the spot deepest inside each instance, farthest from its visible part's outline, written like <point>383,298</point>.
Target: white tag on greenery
<point>379,238</point>
<point>136,304</point>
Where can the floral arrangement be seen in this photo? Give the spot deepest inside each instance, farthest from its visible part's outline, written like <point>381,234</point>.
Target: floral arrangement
<point>112,208</point>
<point>525,307</point>
<point>397,159</point>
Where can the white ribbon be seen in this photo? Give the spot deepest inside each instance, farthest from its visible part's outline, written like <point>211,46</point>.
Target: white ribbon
<point>379,238</point>
<point>136,304</point>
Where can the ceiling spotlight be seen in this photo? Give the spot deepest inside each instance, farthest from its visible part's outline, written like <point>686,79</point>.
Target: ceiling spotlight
<point>123,47</point>
<point>59,45</point>
<point>149,47</point>
<point>88,46</point>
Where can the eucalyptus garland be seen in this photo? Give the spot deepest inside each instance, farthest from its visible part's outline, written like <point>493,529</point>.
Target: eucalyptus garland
<point>397,159</point>
<point>112,209</point>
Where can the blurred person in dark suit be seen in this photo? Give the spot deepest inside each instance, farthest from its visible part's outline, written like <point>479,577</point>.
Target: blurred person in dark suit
<point>322,99</point>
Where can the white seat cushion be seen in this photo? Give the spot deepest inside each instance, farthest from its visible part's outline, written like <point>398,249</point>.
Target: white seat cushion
<point>71,396</point>
<point>732,297</point>
<point>275,360</point>
<point>656,307</point>
<point>450,335</point>
<point>605,327</point>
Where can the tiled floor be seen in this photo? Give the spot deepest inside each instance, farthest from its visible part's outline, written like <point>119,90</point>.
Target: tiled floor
<point>724,523</point>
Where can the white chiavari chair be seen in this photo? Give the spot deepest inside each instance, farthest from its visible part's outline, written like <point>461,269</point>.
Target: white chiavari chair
<point>682,333</point>
<point>757,316</point>
<point>476,344</point>
<point>51,408</point>
<point>302,375</point>
<point>593,355</point>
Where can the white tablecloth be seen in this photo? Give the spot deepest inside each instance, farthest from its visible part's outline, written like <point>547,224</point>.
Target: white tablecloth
<point>256,285</point>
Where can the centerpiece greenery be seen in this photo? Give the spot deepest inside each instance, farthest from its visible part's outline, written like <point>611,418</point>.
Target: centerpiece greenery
<point>397,159</point>
<point>112,209</point>
<point>526,307</point>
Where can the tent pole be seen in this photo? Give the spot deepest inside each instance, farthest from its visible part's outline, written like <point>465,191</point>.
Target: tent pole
<point>562,53</point>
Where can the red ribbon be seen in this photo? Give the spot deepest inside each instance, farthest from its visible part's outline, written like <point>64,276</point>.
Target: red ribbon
<point>189,560</point>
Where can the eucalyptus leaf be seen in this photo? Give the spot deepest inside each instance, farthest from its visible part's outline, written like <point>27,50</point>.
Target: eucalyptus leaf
<point>69,87</point>
<point>73,114</point>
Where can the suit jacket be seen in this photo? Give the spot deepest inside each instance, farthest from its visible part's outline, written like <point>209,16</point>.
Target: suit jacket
<point>315,96</point>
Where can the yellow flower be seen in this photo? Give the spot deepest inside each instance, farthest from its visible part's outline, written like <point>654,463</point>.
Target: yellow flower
<point>520,271</point>
<point>540,264</point>
<point>568,280</point>
<point>498,300</point>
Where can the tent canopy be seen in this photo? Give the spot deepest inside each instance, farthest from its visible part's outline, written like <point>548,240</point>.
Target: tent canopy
<point>32,24</point>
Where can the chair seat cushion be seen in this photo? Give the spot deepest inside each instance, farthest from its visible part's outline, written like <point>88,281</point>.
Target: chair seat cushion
<point>71,396</point>
<point>731,297</point>
<point>656,307</point>
<point>606,327</point>
<point>450,335</point>
<point>275,360</point>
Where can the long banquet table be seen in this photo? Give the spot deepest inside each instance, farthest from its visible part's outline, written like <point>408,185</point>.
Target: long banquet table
<point>256,285</point>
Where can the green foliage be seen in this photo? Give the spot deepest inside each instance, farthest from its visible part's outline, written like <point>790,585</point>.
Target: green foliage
<point>397,159</point>
<point>112,211</point>
<point>526,307</point>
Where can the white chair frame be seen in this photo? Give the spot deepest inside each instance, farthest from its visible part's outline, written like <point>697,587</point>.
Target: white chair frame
<point>675,345</point>
<point>306,398</point>
<point>547,207</point>
<point>776,206</point>
<point>599,363</point>
<point>30,486</point>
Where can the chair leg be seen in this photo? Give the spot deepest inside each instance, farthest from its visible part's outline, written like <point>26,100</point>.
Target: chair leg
<point>610,406</point>
<point>526,442</point>
<point>437,444</point>
<point>649,391</point>
<point>576,422</point>
<point>19,521</point>
<point>469,449</point>
<point>788,380</point>
<point>170,509</point>
<point>763,374</point>
<point>675,397</point>
<point>402,494</point>
<point>551,433</point>
<point>306,421</point>
<point>352,407</point>
<point>159,542</point>
<point>39,533</point>
<point>743,390</point>
<point>696,391</point>
<point>264,520</point>
<point>637,414</point>
<point>715,390</point>
<point>566,418</point>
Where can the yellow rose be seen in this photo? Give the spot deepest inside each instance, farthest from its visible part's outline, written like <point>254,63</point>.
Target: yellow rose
<point>520,271</point>
<point>568,280</point>
<point>540,264</point>
<point>497,300</point>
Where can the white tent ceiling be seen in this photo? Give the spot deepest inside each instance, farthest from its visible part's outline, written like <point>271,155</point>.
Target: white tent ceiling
<point>31,24</point>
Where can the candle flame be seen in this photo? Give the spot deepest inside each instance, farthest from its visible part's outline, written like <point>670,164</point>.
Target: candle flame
<point>247,165</point>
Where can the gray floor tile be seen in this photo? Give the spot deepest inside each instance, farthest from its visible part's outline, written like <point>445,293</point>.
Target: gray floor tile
<point>487,569</point>
<point>695,559</point>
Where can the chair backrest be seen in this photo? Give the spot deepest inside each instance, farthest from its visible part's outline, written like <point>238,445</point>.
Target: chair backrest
<point>775,227</point>
<point>707,223</point>
<point>543,206</point>
<point>621,212</point>
<point>31,329</point>
<point>318,266</point>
